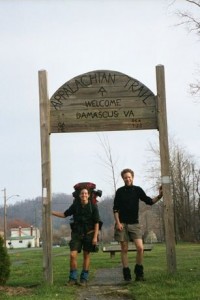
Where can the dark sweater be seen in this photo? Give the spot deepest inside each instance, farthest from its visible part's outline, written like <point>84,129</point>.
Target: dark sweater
<point>84,217</point>
<point>126,203</point>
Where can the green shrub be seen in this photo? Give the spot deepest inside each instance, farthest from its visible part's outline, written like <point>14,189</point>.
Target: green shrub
<point>4,263</point>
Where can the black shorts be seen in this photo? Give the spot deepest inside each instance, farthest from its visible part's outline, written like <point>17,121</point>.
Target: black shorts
<point>81,242</point>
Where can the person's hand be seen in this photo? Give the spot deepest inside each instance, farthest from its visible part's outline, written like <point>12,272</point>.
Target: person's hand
<point>160,192</point>
<point>94,241</point>
<point>119,226</point>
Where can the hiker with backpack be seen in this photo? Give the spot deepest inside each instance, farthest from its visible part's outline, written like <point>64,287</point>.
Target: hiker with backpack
<point>84,233</point>
<point>127,228</point>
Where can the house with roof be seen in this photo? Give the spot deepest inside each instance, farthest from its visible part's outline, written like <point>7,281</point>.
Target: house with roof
<point>24,238</point>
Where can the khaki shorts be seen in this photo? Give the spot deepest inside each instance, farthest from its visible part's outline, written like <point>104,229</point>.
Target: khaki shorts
<point>130,232</point>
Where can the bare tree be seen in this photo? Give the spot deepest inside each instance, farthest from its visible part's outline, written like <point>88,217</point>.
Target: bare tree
<point>108,160</point>
<point>192,23</point>
<point>189,20</point>
<point>185,182</point>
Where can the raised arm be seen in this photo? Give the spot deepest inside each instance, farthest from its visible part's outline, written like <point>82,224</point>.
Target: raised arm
<point>58,214</point>
<point>157,198</point>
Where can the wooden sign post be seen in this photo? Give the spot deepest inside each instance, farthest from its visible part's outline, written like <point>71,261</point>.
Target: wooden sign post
<point>165,170</point>
<point>103,100</point>
<point>46,177</point>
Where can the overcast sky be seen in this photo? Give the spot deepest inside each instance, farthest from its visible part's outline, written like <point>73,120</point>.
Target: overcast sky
<point>69,38</point>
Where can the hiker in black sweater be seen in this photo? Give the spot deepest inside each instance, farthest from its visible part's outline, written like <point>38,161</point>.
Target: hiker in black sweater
<point>127,228</point>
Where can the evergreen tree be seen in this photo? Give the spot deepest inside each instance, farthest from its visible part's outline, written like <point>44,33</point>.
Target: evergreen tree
<point>4,263</point>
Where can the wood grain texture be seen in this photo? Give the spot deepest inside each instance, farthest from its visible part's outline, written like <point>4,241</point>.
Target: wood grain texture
<point>102,101</point>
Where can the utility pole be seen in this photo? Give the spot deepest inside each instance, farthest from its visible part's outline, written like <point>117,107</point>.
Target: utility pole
<point>5,214</point>
<point>5,217</point>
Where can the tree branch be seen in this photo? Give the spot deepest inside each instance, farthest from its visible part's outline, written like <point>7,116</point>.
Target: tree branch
<point>193,2</point>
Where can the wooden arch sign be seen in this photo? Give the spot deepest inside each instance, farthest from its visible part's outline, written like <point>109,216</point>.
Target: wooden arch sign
<point>103,101</point>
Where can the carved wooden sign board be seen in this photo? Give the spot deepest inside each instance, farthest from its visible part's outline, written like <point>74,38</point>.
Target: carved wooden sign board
<point>102,101</point>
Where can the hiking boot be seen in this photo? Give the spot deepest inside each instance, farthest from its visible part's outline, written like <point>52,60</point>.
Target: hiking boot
<point>83,282</point>
<point>127,274</point>
<point>72,282</point>
<point>84,277</point>
<point>139,273</point>
<point>72,277</point>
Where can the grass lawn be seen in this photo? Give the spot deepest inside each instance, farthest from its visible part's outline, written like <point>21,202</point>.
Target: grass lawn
<point>26,279</point>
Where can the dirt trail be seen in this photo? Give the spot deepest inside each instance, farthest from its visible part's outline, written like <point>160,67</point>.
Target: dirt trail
<point>108,284</point>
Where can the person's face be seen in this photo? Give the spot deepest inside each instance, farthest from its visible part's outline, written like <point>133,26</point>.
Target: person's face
<point>84,195</point>
<point>128,179</point>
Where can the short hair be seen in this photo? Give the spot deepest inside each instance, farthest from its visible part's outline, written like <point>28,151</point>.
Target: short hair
<point>127,171</point>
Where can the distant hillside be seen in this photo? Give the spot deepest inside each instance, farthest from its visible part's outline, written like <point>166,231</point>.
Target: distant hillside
<point>30,211</point>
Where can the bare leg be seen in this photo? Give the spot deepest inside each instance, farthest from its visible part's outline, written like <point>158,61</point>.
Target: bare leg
<point>140,250</point>
<point>73,260</point>
<point>73,267</point>
<point>124,254</point>
<point>139,270</point>
<point>85,270</point>
<point>86,260</point>
<point>124,259</point>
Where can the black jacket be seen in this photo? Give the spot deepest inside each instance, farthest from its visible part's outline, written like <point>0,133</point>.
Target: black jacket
<point>84,217</point>
<point>126,203</point>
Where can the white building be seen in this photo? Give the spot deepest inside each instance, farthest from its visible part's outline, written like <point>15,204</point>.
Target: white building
<point>23,238</point>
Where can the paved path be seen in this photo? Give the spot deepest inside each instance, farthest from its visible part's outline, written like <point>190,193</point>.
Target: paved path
<point>108,284</point>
